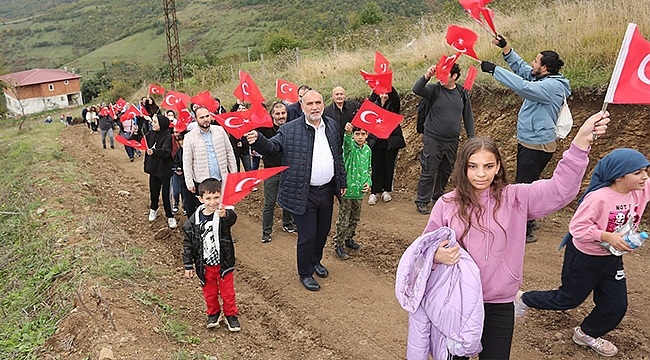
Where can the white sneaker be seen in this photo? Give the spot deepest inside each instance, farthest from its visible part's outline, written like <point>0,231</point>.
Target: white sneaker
<point>386,196</point>
<point>171,222</point>
<point>372,199</point>
<point>153,214</point>
<point>599,345</point>
<point>520,309</point>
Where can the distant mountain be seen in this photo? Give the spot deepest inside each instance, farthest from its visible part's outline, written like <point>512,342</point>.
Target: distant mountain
<point>89,34</point>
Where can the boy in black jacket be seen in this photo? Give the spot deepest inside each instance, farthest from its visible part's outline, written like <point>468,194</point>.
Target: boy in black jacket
<point>208,247</point>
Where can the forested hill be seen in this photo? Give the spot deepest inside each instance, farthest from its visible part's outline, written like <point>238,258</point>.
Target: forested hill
<point>88,33</point>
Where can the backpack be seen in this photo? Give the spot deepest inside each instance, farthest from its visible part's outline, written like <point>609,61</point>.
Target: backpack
<point>424,106</point>
<point>564,121</point>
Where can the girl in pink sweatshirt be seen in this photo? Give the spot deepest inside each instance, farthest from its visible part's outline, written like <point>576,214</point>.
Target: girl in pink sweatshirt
<point>612,205</point>
<point>489,217</point>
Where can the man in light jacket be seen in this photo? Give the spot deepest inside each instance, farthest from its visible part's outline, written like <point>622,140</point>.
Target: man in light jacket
<point>543,88</point>
<point>207,153</point>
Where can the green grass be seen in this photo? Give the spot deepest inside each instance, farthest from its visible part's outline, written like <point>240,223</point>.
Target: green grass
<point>32,290</point>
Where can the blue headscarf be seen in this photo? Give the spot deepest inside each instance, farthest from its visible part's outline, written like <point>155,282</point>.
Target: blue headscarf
<point>611,167</point>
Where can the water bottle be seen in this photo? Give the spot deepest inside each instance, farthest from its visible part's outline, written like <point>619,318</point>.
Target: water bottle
<point>633,240</point>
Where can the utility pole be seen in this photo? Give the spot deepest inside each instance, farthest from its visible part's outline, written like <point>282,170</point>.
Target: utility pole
<point>173,45</point>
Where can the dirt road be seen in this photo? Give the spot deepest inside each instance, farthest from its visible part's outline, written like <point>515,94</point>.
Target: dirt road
<point>354,316</point>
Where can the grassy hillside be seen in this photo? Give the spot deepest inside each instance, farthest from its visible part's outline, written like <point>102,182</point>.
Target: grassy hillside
<point>590,52</point>
<point>85,34</point>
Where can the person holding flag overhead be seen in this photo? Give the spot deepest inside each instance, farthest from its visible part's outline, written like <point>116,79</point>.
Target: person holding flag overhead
<point>312,149</point>
<point>447,103</point>
<point>544,89</point>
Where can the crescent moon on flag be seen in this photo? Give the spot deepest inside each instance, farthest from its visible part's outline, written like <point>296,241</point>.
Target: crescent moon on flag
<point>168,100</point>
<point>229,119</point>
<point>641,71</point>
<point>132,114</point>
<point>384,67</point>
<point>366,113</point>
<point>282,88</point>
<point>155,91</point>
<point>456,45</point>
<point>372,86</point>
<point>244,89</point>
<point>240,185</point>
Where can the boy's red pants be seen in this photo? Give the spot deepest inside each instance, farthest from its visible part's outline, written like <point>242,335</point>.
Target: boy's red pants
<point>215,285</point>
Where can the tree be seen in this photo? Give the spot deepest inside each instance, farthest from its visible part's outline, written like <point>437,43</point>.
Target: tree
<point>371,14</point>
<point>278,41</point>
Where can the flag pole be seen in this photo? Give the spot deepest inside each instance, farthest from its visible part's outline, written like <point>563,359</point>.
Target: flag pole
<point>603,109</point>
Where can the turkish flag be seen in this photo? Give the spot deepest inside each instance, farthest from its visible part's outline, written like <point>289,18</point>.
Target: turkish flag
<point>444,65</point>
<point>205,99</point>
<point>260,117</point>
<point>113,111</point>
<point>286,90</point>
<point>143,111</point>
<point>172,98</point>
<point>132,143</point>
<point>376,120</point>
<point>469,79</point>
<point>381,64</point>
<point>630,82</point>
<point>379,83</point>
<point>237,185</point>
<point>462,40</point>
<point>247,90</point>
<point>156,89</point>
<point>236,123</point>
<point>184,116</point>
<point>120,104</point>
<point>476,8</point>
<point>130,113</point>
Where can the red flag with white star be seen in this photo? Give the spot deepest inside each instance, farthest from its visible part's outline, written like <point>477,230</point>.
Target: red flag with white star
<point>130,113</point>
<point>379,83</point>
<point>132,143</point>
<point>462,40</point>
<point>156,89</point>
<point>443,67</point>
<point>236,123</point>
<point>172,98</point>
<point>376,120</point>
<point>120,104</point>
<point>469,79</point>
<point>237,185</point>
<point>630,82</point>
<point>381,63</point>
<point>286,90</point>
<point>205,99</point>
<point>247,90</point>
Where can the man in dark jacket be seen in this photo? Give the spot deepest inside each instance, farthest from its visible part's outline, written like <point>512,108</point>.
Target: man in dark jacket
<point>448,104</point>
<point>272,184</point>
<point>312,149</point>
<point>341,110</point>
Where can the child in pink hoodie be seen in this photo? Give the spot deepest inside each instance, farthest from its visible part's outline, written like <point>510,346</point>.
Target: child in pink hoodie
<point>612,205</point>
<point>489,217</point>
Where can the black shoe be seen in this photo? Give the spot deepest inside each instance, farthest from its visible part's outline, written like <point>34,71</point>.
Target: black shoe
<point>266,238</point>
<point>531,238</point>
<point>112,146</point>
<point>232,322</point>
<point>321,271</point>
<point>310,283</point>
<point>352,245</point>
<point>341,253</point>
<point>423,209</point>
<point>213,321</point>
<point>289,228</point>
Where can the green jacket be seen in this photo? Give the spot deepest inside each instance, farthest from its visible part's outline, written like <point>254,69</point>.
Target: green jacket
<point>357,160</point>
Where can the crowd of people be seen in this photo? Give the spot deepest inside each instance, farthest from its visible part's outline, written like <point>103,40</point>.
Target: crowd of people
<point>490,219</point>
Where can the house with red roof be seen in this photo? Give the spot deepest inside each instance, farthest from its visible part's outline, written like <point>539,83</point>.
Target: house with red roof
<point>33,91</point>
